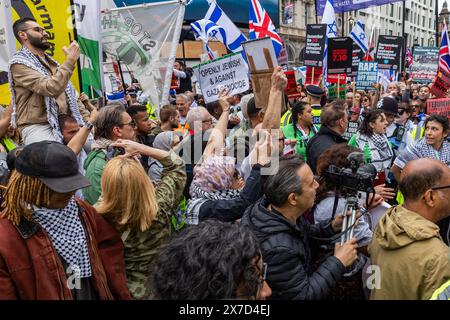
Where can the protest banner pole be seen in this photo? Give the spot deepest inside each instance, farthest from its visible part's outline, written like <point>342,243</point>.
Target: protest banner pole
<point>338,85</point>
<point>312,76</point>
<point>354,92</point>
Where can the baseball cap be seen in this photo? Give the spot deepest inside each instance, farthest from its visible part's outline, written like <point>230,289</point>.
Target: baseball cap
<point>54,164</point>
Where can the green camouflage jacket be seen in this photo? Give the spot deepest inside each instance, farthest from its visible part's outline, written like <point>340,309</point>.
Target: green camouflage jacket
<point>141,247</point>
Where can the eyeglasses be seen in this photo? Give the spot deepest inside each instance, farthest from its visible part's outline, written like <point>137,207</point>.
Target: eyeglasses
<point>440,187</point>
<point>37,29</point>
<point>132,124</point>
<point>401,112</point>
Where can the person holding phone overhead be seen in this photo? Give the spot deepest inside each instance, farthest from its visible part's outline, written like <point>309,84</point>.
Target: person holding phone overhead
<point>40,87</point>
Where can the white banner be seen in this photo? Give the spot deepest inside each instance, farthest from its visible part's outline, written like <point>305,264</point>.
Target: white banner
<point>144,38</point>
<point>87,19</point>
<point>229,71</point>
<point>7,48</point>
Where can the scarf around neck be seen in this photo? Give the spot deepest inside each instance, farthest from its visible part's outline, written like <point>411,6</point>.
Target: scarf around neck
<point>67,236</point>
<point>25,57</point>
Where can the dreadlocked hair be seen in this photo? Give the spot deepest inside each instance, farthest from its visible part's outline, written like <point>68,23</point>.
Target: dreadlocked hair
<point>22,191</point>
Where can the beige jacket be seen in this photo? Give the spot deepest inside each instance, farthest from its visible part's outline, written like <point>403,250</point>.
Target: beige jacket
<point>31,87</point>
<point>413,259</point>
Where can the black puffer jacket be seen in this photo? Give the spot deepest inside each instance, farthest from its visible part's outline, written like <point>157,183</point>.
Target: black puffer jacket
<point>285,248</point>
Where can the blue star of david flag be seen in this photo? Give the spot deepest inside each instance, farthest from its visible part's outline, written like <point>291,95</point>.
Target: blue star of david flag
<point>359,36</point>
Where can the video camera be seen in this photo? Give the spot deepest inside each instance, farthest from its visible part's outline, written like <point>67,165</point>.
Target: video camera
<point>359,177</point>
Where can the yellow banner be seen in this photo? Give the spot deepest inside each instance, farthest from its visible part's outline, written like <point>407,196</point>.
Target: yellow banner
<point>55,16</point>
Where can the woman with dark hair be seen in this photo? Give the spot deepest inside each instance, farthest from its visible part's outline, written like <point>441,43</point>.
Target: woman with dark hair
<point>433,145</point>
<point>301,128</point>
<point>351,286</point>
<point>371,139</point>
<point>211,261</point>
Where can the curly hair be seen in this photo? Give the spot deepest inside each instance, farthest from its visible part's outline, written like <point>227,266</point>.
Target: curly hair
<point>335,155</point>
<point>206,262</point>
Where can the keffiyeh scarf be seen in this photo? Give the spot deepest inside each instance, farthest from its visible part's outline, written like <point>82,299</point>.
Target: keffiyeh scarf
<point>67,235</point>
<point>26,57</point>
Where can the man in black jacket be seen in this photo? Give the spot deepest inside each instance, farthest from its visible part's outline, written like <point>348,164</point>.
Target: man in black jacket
<point>334,120</point>
<point>276,220</point>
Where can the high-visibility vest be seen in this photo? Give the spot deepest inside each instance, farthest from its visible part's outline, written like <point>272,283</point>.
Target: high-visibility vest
<point>316,112</point>
<point>442,293</point>
<point>8,144</point>
<point>286,118</point>
<point>420,127</point>
<point>151,111</point>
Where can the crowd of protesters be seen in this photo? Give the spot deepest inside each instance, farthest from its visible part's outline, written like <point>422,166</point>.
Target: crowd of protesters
<point>226,200</point>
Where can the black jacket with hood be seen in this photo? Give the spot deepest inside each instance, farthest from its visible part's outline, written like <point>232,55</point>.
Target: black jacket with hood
<point>285,248</point>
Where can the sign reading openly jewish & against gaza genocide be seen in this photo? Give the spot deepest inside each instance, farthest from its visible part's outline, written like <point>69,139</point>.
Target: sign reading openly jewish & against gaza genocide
<point>229,71</point>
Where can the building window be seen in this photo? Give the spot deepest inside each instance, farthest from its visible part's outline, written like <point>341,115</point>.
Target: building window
<point>407,15</point>
<point>423,21</point>
<point>391,11</point>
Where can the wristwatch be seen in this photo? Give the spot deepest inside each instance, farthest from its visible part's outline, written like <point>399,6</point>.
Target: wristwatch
<point>89,125</point>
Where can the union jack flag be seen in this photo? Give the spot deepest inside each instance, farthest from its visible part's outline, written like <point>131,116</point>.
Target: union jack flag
<point>408,58</point>
<point>260,26</point>
<point>444,56</point>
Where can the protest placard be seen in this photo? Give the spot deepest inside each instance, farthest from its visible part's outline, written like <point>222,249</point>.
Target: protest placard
<point>425,64</point>
<point>337,78</point>
<point>228,71</point>
<point>313,75</point>
<point>357,56</point>
<point>352,128</point>
<point>389,51</point>
<point>333,91</point>
<point>367,75</point>
<point>439,106</point>
<point>441,84</point>
<point>315,44</point>
<point>339,57</point>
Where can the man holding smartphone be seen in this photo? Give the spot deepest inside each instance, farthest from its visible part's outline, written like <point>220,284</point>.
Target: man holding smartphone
<point>40,87</point>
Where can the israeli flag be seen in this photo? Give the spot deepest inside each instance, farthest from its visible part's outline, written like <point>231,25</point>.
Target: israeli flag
<point>233,36</point>
<point>359,36</point>
<point>328,18</point>
<point>206,30</point>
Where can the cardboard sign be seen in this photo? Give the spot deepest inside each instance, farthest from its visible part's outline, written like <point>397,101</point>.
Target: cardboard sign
<point>229,71</point>
<point>439,106</point>
<point>357,56</point>
<point>425,64</point>
<point>352,128</point>
<point>291,88</point>
<point>313,79</point>
<point>367,75</point>
<point>339,57</point>
<point>315,44</point>
<point>389,52</point>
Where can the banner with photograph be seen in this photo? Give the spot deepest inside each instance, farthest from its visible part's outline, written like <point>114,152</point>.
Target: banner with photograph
<point>425,64</point>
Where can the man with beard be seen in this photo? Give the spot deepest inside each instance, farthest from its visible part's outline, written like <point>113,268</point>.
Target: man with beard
<point>41,88</point>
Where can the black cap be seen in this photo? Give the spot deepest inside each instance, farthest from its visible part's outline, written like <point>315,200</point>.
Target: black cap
<point>315,91</point>
<point>389,105</point>
<point>54,164</point>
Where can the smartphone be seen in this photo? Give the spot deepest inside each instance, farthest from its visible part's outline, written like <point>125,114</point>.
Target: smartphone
<point>112,152</point>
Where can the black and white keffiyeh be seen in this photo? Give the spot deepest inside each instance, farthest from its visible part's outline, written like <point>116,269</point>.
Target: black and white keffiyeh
<point>67,235</point>
<point>26,57</point>
<point>194,204</point>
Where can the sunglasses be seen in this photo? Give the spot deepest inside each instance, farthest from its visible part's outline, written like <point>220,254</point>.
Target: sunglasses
<point>401,112</point>
<point>441,187</point>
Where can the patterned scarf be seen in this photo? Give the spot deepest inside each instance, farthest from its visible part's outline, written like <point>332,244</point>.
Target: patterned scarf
<point>101,143</point>
<point>424,150</point>
<point>194,204</point>
<point>381,143</point>
<point>67,235</point>
<point>26,57</point>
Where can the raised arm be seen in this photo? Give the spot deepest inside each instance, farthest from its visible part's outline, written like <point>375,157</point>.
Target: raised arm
<point>276,99</point>
<point>218,133</point>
